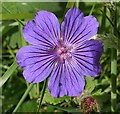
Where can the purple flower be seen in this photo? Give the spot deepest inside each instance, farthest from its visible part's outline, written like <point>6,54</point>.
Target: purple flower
<point>65,54</point>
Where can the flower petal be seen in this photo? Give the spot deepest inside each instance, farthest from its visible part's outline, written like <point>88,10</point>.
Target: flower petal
<point>56,83</point>
<point>48,23</point>
<point>44,30</point>
<point>76,28</point>
<point>74,79</point>
<point>66,80</point>
<point>87,56</point>
<point>37,63</point>
<point>72,20</point>
<point>35,36</point>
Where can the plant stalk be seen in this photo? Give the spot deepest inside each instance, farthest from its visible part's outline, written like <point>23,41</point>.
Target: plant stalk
<point>42,95</point>
<point>113,62</point>
<point>93,7</point>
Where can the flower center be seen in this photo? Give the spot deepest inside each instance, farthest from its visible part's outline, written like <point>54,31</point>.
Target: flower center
<point>64,53</point>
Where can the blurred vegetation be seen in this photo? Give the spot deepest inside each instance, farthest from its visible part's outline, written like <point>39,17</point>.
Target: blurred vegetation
<point>12,40</point>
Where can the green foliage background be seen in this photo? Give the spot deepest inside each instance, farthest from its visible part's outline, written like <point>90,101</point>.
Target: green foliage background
<point>14,85</point>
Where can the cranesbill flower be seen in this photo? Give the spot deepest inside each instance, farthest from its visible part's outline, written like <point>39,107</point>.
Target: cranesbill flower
<point>65,54</point>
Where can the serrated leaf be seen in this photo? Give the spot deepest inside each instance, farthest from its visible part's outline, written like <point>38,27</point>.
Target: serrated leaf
<point>51,100</point>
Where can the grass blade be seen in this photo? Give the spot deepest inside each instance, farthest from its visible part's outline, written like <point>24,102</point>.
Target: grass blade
<point>23,97</point>
<point>8,73</point>
<point>93,7</point>
<point>10,13</point>
<point>17,16</point>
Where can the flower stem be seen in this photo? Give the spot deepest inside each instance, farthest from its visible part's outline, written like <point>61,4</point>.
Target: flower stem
<point>23,97</point>
<point>37,89</point>
<point>42,95</point>
<point>113,79</point>
<point>113,63</point>
<point>93,7</point>
<point>103,21</point>
<point>77,3</point>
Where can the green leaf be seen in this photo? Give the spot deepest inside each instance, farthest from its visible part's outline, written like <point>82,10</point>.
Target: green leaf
<point>29,106</point>
<point>90,84</point>
<point>102,98</point>
<point>14,40</point>
<point>10,94</point>
<point>23,97</point>
<point>17,16</point>
<point>70,109</point>
<point>8,73</point>
<point>22,40</point>
<point>98,92</point>
<point>32,7</point>
<point>51,100</point>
